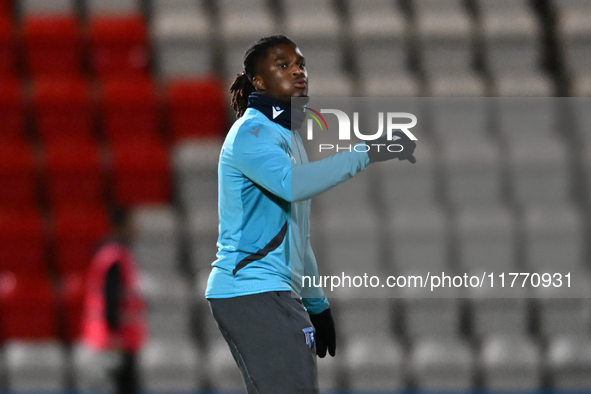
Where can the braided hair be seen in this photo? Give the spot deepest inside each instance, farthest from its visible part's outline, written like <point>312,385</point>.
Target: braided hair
<point>242,86</point>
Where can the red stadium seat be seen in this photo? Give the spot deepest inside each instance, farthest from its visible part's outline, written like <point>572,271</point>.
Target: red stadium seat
<point>22,242</point>
<point>71,302</point>
<point>74,174</point>
<point>17,175</point>
<point>119,45</point>
<point>53,45</point>
<point>63,110</point>
<point>27,308</point>
<point>6,46</point>
<point>130,109</point>
<point>196,109</point>
<point>6,8</point>
<point>77,232</point>
<point>141,173</point>
<point>12,110</point>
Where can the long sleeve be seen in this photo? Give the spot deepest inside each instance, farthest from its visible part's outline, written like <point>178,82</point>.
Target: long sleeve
<point>265,158</point>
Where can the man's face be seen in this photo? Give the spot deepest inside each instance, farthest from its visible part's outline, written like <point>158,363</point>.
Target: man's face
<point>282,73</point>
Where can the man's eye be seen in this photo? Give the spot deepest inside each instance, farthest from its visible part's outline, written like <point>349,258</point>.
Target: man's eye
<point>302,65</point>
<point>282,65</point>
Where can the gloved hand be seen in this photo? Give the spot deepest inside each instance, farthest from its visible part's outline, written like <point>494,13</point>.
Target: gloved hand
<point>383,154</point>
<point>325,335</point>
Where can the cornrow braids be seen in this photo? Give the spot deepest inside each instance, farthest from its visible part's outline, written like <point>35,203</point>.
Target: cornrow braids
<point>242,86</point>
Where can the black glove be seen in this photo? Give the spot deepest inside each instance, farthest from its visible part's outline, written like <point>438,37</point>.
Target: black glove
<point>325,335</point>
<point>381,153</point>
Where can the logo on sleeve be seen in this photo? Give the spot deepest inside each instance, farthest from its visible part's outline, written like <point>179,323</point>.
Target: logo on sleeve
<point>255,131</point>
<point>277,111</point>
<point>309,334</point>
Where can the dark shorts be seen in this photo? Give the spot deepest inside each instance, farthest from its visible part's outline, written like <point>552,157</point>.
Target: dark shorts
<point>269,337</point>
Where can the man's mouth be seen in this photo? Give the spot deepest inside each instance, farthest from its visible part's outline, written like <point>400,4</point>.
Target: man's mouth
<point>301,83</point>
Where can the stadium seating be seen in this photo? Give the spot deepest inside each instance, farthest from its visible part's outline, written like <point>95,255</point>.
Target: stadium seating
<point>47,7</point>
<point>444,34</point>
<point>418,239</point>
<point>63,109</point>
<point>224,376</point>
<point>459,85</point>
<point>156,239</point>
<point>236,36</point>
<point>18,175</point>
<point>86,378</point>
<point>486,237</point>
<point>329,374</point>
<point>202,234</point>
<point>5,7</point>
<point>316,27</point>
<point>350,236</point>
<point>12,109</point>
<point>141,173</point>
<point>379,34</point>
<point>7,60</point>
<point>170,366</point>
<point>129,109</point>
<point>574,34</point>
<point>375,365</point>
<point>72,294</point>
<point>182,47</point>
<point>510,36</point>
<point>207,329</point>
<point>511,364</point>
<point>35,366</point>
<point>539,170</point>
<point>196,109</point>
<point>526,84</point>
<point>495,312</point>
<point>407,183</point>
<point>582,119</point>
<point>27,307</point>
<point>169,301</point>
<point>77,232</point>
<point>473,171</point>
<point>195,166</point>
<point>564,316</point>
<point>442,365</point>
<point>53,45</point>
<point>23,237</point>
<point>569,360</point>
<point>74,174</point>
<point>553,237</point>
<point>364,317</point>
<point>113,7</point>
<point>431,319</point>
<point>119,45</point>
<point>377,85</point>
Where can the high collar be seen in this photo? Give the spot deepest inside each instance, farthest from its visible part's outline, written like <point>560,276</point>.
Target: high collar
<point>277,111</point>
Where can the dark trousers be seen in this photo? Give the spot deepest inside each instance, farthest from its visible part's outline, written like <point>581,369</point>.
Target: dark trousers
<point>126,381</point>
<point>269,337</point>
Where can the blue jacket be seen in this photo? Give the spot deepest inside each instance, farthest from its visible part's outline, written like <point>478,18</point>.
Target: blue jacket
<point>265,185</point>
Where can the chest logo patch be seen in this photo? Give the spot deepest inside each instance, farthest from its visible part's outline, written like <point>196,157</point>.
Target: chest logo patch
<point>309,334</point>
<point>277,111</point>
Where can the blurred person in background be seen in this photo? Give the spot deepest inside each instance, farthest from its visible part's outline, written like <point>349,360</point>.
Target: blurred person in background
<point>113,327</point>
<point>265,186</point>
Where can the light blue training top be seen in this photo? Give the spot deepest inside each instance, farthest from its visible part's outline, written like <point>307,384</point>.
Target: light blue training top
<point>265,184</point>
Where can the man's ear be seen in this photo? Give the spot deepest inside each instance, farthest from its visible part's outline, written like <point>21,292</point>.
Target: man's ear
<point>258,84</point>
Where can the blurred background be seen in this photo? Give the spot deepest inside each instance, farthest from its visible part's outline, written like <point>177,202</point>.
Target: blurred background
<point>124,102</point>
